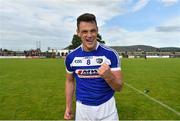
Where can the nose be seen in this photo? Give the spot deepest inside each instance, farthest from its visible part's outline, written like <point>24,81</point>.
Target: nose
<point>89,34</point>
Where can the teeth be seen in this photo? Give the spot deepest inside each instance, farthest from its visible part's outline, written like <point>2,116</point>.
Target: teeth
<point>89,40</point>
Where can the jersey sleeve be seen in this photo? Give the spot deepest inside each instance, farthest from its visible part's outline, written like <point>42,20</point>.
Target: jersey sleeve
<point>115,61</point>
<point>68,61</point>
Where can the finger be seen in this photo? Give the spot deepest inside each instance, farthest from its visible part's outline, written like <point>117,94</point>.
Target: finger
<point>104,64</point>
<point>71,116</point>
<point>67,116</point>
<point>101,70</point>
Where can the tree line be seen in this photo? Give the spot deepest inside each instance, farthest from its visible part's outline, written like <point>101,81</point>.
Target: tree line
<point>76,41</point>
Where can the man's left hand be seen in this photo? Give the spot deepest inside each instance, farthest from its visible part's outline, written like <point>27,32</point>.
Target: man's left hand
<point>104,71</point>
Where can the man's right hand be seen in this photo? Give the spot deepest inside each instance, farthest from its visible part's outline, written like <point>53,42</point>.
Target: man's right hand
<point>68,114</point>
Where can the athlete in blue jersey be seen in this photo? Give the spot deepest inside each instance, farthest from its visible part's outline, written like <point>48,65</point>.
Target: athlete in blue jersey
<point>96,69</point>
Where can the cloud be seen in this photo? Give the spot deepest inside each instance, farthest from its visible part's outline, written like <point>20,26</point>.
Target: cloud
<point>115,36</point>
<point>172,25</point>
<point>140,5</point>
<point>53,22</point>
<point>168,29</point>
<point>169,2</point>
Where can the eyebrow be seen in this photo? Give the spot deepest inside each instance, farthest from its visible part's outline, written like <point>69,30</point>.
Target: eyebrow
<point>92,30</point>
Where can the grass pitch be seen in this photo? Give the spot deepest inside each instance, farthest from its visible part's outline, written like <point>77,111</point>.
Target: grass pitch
<point>33,89</point>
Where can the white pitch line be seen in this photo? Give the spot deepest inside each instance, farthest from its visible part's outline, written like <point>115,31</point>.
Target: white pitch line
<point>153,99</point>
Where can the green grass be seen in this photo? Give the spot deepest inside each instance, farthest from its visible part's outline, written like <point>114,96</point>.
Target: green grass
<point>34,89</point>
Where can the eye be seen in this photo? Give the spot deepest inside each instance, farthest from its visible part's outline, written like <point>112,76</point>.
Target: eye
<point>84,32</point>
<point>93,30</point>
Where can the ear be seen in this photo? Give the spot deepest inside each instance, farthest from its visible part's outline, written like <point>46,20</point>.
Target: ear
<point>78,33</point>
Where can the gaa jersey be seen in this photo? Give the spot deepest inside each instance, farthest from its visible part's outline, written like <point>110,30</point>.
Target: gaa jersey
<point>91,89</point>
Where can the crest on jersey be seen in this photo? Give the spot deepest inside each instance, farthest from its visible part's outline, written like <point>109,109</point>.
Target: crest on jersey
<point>99,60</point>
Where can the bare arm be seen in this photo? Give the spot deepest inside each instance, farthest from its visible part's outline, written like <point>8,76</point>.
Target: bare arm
<point>69,92</point>
<point>113,78</point>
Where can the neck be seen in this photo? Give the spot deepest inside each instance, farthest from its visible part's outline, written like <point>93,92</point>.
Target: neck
<point>89,49</point>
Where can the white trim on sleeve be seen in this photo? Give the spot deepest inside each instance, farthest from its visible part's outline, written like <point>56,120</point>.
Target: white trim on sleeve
<point>115,69</point>
<point>68,71</point>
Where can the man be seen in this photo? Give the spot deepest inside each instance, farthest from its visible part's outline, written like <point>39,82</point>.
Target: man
<point>96,69</point>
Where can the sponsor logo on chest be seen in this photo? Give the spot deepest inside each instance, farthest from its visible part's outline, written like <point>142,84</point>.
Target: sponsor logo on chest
<point>87,73</point>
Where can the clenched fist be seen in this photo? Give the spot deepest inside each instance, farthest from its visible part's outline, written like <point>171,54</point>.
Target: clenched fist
<point>113,78</point>
<point>104,71</point>
<point>68,115</point>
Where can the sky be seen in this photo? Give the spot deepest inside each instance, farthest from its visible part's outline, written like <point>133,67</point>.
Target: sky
<point>28,24</point>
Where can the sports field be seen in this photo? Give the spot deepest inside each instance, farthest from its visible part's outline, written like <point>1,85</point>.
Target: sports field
<point>33,89</point>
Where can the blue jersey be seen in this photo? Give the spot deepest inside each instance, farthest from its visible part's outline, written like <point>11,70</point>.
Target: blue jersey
<point>91,89</point>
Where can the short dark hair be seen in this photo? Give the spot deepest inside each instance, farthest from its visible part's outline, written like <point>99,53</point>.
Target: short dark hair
<point>87,17</point>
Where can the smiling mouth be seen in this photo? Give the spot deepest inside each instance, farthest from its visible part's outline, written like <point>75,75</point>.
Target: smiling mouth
<point>89,41</point>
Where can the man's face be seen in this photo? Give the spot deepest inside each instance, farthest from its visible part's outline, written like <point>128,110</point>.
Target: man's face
<point>88,33</point>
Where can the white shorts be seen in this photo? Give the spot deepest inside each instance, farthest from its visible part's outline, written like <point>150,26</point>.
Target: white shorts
<point>106,111</point>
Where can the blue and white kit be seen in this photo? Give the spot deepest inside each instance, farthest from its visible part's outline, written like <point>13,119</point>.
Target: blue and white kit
<point>91,89</point>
